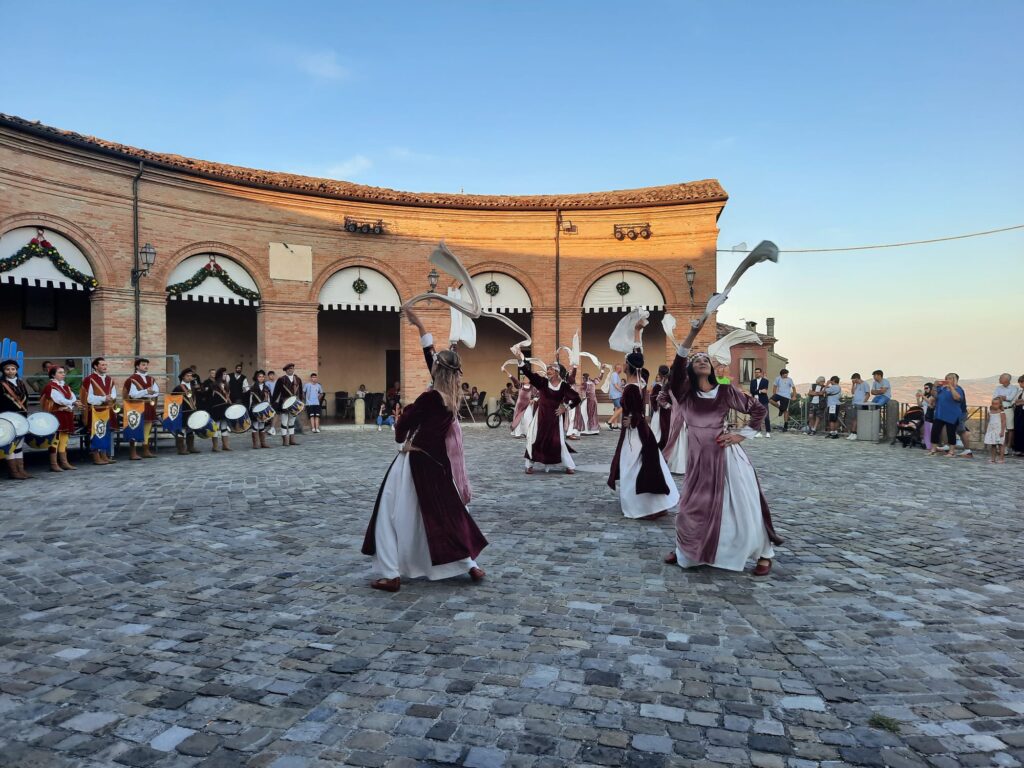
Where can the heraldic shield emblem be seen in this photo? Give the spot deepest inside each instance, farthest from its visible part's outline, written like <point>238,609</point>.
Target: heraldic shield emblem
<point>100,429</point>
<point>134,419</point>
<point>173,410</point>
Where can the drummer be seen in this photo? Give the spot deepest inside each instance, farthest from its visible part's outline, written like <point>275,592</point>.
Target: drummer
<point>58,399</point>
<point>218,400</point>
<point>140,386</point>
<point>98,389</point>
<point>186,440</point>
<point>288,385</point>
<point>14,399</point>
<point>258,393</point>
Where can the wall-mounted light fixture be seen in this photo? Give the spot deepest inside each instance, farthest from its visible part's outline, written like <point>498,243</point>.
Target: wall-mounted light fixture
<point>632,231</point>
<point>145,261</point>
<point>691,274</point>
<point>568,227</point>
<point>432,279</point>
<point>364,227</point>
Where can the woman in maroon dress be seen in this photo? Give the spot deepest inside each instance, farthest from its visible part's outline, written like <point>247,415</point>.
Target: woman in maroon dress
<point>723,517</point>
<point>546,441</point>
<point>420,525</point>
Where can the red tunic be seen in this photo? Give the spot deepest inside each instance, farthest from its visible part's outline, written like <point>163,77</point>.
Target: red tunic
<point>65,416</point>
<point>142,381</point>
<point>95,385</point>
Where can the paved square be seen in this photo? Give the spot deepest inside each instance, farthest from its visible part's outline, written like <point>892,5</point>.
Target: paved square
<point>214,610</point>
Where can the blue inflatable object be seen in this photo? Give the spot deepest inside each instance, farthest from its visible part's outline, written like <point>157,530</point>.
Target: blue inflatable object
<point>9,351</point>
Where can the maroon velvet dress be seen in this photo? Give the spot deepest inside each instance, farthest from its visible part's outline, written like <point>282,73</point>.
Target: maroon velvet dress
<point>709,468</point>
<point>651,479</point>
<point>549,446</point>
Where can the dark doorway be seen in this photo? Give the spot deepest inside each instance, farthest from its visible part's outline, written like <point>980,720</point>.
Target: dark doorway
<point>392,367</point>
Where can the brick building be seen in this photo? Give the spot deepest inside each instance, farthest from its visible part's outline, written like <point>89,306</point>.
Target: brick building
<point>747,357</point>
<point>298,285</point>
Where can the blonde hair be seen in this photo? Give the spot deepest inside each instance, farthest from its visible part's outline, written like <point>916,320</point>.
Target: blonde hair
<point>446,369</point>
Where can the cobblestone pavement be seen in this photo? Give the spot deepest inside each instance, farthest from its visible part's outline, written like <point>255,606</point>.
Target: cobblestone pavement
<point>214,611</point>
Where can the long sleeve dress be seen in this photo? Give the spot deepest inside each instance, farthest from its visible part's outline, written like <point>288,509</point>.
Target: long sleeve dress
<point>420,525</point>
<point>546,440</point>
<point>645,485</point>
<point>593,425</point>
<point>723,517</point>
<point>523,414</point>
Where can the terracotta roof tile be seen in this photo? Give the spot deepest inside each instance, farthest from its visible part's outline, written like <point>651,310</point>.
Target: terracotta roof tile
<point>706,191</point>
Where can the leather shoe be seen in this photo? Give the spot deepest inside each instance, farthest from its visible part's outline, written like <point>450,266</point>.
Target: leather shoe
<point>671,558</point>
<point>477,574</point>
<point>763,567</point>
<point>387,585</point>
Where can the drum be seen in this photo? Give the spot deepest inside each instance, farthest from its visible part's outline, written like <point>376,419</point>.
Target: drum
<point>237,418</point>
<point>20,425</point>
<point>42,431</point>
<point>292,406</point>
<point>7,437</point>
<point>202,425</point>
<point>263,413</point>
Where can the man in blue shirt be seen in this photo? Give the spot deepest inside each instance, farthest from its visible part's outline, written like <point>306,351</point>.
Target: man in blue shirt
<point>881,391</point>
<point>313,398</point>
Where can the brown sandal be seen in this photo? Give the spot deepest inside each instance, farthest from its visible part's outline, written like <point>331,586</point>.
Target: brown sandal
<point>671,558</point>
<point>387,585</point>
<point>529,470</point>
<point>763,567</point>
<point>477,574</point>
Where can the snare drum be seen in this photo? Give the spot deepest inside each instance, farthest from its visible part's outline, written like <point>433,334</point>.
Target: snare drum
<point>7,437</point>
<point>20,425</point>
<point>263,413</point>
<point>237,418</point>
<point>292,406</point>
<point>202,425</point>
<point>42,431</point>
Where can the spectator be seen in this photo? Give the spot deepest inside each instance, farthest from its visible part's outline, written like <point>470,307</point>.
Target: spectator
<point>474,397</point>
<point>833,393</point>
<point>782,394</point>
<point>859,391</point>
<point>509,394</point>
<point>74,375</point>
<point>361,392</point>
<point>1008,394</point>
<point>950,403</point>
<point>926,401</point>
<point>41,380</point>
<point>395,393</point>
<point>995,435</point>
<point>963,431</point>
<point>1018,418</point>
<point>616,385</point>
<point>384,416</point>
<point>759,390</point>
<point>881,391</point>
<point>814,407</point>
<point>313,397</point>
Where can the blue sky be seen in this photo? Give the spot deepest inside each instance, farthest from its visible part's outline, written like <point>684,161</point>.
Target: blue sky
<point>830,124</point>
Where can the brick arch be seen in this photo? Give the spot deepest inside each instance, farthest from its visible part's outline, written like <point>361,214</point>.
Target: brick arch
<point>532,289</point>
<point>253,267</point>
<point>628,266</point>
<point>102,265</point>
<point>357,261</point>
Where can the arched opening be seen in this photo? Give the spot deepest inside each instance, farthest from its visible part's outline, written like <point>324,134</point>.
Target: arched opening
<point>45,285</point>
<point>211,314</point>
<point>358,336</point>
<point>502,293</point>
<point>607,300</point>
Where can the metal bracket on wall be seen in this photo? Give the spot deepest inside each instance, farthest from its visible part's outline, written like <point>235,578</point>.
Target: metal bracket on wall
<point>364,227</point>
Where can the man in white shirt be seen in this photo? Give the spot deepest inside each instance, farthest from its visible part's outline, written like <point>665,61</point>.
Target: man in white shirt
<point>1008,393</point>
<point>99,390</point>
<point>833,393</point>
<point>782,394</point>
<point>140,386</point>
<point>859,390</point>
<point>881,390</point>
<point>616,385</point>
<point>814,408</point>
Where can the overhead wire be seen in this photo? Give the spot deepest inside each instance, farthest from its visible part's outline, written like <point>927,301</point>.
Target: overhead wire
<point>885,245</point>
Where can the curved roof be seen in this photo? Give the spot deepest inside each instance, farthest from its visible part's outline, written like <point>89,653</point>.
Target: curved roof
<point>706,191</point>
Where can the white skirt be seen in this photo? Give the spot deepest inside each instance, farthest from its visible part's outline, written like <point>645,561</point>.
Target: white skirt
<point>742,535</point>
<point>677,461</point>
<point>399,535</point>
<point>635,504</point>
<point>656,423</point>
<point>523,427</point>
<point>571,430</point>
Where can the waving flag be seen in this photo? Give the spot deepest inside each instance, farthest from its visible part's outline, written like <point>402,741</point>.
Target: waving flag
<point>172,413</point>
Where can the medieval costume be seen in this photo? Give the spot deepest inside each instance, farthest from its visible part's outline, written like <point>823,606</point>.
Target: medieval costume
<point>141,387</point>
<point>525,409</point>
<point>673,439</point>
<point>238,385</point>
<point>589,408</point>
<point>14,400</point>
<point>217,402</point>
<point>58,399</point>
<point>420,526</point>
<point>723,517</point>
<point>546,439</point>
<point>258,394</point>
<point>646,488</point>
<point>186,439</point>
<point>286,386</point>
<point>98,390</point>
<point>573,418</point>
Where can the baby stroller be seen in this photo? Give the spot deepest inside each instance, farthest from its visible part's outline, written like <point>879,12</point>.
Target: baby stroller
<point>908,429</point>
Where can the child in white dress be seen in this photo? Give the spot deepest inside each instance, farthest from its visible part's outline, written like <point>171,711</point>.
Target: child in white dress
<point>995,435</point>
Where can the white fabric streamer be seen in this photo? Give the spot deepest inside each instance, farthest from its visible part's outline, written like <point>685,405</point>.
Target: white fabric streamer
<point>623,338</point>
<point>720,351</point>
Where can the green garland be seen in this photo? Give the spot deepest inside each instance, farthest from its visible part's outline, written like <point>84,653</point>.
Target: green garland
<point>44,249</point>
<point>213,269</point>
<point>492,288</point>
<point>622,288</point>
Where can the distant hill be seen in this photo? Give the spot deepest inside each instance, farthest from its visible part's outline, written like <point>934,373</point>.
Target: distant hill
<point>904,388</point>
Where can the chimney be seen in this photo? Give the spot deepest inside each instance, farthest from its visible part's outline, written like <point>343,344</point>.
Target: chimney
<point>770,322</point>
<point>752,326</point>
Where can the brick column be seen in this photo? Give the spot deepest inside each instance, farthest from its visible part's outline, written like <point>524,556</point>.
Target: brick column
<point>287,333</point>
<point>543,333</point>
<point>113,321</point>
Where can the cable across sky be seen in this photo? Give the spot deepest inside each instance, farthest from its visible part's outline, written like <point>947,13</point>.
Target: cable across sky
<point>884,245</point>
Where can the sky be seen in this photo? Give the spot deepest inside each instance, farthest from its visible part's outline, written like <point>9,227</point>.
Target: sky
<point>829,125</point>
